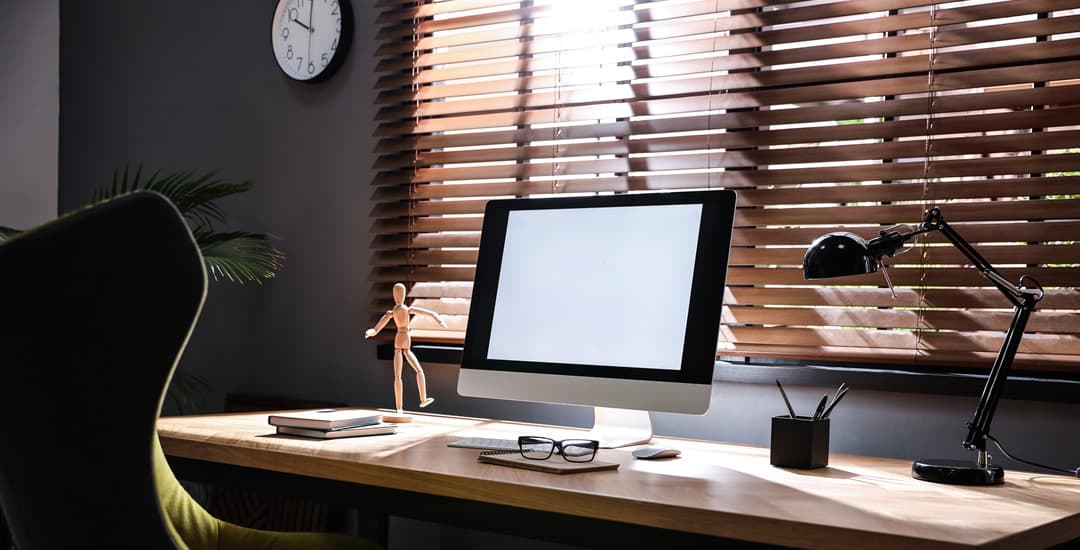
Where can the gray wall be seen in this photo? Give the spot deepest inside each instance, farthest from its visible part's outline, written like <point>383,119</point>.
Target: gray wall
<point>193,86</point>
<point>29,105</point>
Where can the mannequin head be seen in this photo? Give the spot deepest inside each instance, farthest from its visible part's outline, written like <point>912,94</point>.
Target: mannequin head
<point>399,294</point>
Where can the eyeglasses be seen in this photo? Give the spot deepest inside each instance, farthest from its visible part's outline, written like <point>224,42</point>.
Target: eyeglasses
<point>572,450</point>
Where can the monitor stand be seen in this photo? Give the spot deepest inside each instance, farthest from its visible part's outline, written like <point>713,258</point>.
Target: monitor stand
<point>621,427</point>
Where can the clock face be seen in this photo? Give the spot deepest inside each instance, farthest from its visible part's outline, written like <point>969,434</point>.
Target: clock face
<point>310,36</point>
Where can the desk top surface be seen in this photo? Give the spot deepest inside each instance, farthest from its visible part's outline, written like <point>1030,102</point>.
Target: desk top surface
<point>712,488</point>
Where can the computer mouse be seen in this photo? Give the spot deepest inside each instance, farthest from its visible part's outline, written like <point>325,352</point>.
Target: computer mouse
<point>655,451</point>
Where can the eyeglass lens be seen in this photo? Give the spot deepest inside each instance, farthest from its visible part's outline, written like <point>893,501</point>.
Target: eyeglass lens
<point>572,450</point>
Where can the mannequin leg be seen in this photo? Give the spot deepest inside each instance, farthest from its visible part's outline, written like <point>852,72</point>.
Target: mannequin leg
<point>421,382</point>
<point>398,386</point>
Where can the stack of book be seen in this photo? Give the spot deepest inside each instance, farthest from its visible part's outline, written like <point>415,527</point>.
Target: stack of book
<point>330,423</point>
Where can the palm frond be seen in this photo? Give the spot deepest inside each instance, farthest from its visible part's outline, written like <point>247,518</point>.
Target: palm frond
<point>186,390</point>
<point>193,195</point>
<point>7,233</point>
<point>239,257</point>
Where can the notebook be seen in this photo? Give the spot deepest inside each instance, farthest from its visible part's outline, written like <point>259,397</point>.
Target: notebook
<point>325,419</point>
<point>555,465</point>
<point>352,431</point>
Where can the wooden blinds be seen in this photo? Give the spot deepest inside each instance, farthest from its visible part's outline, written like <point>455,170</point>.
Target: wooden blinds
<point>853,114</point>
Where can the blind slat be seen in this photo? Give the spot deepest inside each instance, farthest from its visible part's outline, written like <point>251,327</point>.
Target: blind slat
<point>1010,100</point>
<point>548,94</point>
<point>791,256</point>
<point>655,29</point>
<point>831,92</point>
<point>734,179</point>
<point>938,320</point>
<point>990,189</point>
<point>943,341</point>
<point>858,130</point>
<point>648,43</point>
<point>554,71</point>
<point>975,233</point>
<point>720,158</point>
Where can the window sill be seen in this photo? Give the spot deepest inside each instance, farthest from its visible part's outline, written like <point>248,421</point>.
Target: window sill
<point>1027,386</point>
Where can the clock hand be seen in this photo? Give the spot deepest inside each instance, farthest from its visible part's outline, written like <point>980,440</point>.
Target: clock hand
<point>297,21</point>
<point>311,29</point>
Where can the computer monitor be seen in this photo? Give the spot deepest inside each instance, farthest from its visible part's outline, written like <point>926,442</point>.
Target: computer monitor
<point>612,301</point>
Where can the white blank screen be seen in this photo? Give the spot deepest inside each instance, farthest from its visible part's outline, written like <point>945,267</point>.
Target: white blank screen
<point>596,286</point>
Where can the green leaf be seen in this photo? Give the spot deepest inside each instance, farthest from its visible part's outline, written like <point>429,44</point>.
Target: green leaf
<point>186,390</point>
<point>239,257</point>
<point>193,195</point>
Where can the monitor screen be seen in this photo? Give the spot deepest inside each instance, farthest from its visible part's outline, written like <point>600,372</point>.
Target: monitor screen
<point>611,287</point>
<point>610,301</point>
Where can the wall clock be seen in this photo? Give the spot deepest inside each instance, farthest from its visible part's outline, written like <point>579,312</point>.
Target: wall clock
<point>310,37</point>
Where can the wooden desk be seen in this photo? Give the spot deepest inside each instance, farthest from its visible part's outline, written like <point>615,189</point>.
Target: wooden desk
<point>714,489</point>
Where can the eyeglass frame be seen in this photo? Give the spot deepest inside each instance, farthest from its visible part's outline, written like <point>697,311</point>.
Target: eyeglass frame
<point>590,444</point>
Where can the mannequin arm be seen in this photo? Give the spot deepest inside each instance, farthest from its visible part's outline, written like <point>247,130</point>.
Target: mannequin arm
<point>379,326</point>
<point>438,318</point>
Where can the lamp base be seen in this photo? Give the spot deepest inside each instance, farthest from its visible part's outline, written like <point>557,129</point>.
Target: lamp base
<point>957,472</point>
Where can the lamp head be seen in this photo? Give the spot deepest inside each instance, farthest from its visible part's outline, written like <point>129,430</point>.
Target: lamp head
<point>842,253</point>
<point>836,255</point>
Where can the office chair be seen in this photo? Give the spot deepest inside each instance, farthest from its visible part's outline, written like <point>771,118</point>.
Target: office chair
<point>97,307</point>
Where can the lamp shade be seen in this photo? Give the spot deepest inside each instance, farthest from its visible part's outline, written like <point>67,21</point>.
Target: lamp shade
<point>838,254</point>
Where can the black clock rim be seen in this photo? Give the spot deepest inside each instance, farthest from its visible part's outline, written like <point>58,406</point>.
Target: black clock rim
<point>344,44</point>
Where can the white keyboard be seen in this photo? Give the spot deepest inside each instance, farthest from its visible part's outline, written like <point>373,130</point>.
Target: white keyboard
<point>485,443</point>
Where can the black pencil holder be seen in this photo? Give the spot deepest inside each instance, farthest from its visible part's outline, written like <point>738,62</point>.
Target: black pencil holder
<point>799,442</point>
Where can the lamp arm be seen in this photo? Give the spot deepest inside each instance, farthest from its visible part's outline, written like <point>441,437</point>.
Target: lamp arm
<point>1023,299</point>
<point>1017,294</point>
<point>979,426</point>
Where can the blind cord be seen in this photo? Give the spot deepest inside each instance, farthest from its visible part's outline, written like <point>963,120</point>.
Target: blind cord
<point>1075,472</point>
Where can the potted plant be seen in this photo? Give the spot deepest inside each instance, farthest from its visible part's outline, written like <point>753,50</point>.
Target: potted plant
<point>234,256</point>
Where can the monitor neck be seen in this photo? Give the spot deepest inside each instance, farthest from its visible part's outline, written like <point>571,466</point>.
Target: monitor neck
<point>621,427</point>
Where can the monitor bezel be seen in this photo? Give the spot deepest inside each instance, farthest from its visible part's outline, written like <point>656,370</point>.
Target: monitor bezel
<point>705,305</point>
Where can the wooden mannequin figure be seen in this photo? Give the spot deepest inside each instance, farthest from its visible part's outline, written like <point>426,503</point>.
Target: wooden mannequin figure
<point>402,342</point>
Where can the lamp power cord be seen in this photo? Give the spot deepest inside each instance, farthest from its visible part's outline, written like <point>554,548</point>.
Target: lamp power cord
<point>1075,472</point>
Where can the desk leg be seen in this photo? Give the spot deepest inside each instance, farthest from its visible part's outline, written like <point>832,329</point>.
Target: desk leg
<point>373,526</point>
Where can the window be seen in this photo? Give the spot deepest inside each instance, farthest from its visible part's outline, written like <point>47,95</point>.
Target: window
<point>853,114</point>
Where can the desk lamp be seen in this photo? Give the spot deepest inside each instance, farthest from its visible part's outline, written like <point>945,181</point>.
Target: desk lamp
<point>840,254</point>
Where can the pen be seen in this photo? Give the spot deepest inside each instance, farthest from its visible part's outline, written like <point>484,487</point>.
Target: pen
<point>839,396</point>
<point>839,390</point>
<point>783,394</point>
<point>821,407</point>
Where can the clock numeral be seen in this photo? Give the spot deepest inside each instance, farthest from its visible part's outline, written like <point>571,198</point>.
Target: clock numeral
<point>293,14</point>
<point>288,52</point>
<point>299,63</point>
<point>334,45</point>
<point>310,68</point>
<point>325,61</point>
<point>334,10</point>
<point>285,33</point>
